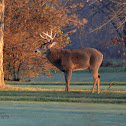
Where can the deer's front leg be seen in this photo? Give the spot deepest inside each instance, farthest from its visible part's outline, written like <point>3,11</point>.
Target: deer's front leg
<point>67,75</point>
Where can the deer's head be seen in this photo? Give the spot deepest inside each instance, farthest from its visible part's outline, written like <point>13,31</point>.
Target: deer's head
<point>49,44</point>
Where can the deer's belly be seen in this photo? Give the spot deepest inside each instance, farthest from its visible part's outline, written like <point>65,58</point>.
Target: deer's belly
<point>80,67</point>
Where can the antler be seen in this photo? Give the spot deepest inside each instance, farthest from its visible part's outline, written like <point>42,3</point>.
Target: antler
<point>47,35</point>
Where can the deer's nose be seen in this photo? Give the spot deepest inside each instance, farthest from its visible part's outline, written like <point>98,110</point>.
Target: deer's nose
<point>35,51</point>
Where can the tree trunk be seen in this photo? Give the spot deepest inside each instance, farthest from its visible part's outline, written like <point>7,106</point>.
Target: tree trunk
<point>1,41</point>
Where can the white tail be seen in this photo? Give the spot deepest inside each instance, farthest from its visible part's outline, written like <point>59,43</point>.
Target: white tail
<point>68,60</point>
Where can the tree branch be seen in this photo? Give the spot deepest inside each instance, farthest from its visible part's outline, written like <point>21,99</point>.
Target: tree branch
<point>106,22</point>
<point>122,3</point>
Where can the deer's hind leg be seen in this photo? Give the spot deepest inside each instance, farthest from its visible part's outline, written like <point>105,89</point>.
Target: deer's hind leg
<point>98,84</point>
<point>96,77</point>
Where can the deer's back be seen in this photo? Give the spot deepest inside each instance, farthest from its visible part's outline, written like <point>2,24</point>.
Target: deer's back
<point>75,59</point>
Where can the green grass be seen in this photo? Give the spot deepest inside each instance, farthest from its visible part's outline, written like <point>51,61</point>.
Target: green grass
<point>82,76</point>
<point>111,69</point>
<point>21,113</point>
<point>81,86</point>
<point>54,106</point>
<point>62,96</point>
<point>73,85</point>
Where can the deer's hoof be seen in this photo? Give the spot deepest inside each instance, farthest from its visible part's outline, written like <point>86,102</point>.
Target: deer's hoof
<point>67,90</point>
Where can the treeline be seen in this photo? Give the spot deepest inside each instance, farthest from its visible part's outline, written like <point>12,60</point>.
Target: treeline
<point>24,21</point>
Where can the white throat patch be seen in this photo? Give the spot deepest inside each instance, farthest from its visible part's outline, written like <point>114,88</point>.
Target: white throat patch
<point>52,45</point>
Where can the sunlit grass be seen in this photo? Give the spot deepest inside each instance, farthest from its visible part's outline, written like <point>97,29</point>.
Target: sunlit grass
<point>60,86</point>
<point>15,88</point>
<point>51,87</point>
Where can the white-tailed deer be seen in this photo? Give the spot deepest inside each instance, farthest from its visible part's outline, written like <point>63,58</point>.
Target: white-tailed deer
<point>68,60</point>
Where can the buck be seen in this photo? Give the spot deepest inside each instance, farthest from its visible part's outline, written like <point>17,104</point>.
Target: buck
<point>68,60</point>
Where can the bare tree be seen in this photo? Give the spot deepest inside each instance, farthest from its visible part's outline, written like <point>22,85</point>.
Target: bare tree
<point>107,23</point>
<point>114,12</point>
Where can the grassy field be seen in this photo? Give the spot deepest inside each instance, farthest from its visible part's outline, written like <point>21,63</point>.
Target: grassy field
<point>81,80</point>
<point>61,96</point>
<point>107,74</point>
<point>13,113</point>
<point>74,86</point>
<point>113,88</point>
<point>43,101</point>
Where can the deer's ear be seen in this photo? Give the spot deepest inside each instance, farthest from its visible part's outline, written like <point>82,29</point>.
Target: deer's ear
<point>52,45</point>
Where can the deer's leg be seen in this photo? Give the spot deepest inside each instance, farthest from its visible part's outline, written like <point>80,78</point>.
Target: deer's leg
<point>95,81</point>
<point>98,84</point>
<point>68,75</point>
<point>95,76</point>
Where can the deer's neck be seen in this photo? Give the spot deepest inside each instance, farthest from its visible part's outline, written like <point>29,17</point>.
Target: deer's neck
<point>53,54</point>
